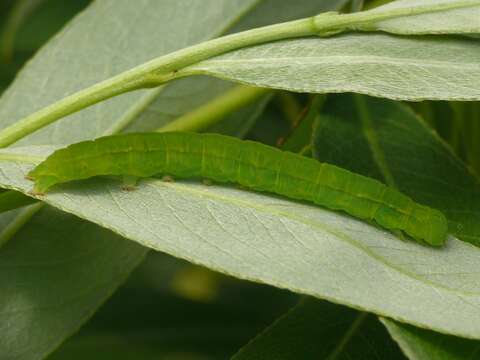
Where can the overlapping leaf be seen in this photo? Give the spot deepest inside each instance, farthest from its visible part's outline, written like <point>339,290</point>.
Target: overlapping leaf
<point>319,330</point>
<point>419,344</point>
<point>385,140</point>
<point>282,243</point>
<point>32,89</point>
<point>375,64</point>
<point>126,34</point>
<point>444,17</point>
<point>393,143</point>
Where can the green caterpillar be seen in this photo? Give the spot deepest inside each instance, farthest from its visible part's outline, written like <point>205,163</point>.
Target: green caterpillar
<point>251,164</point>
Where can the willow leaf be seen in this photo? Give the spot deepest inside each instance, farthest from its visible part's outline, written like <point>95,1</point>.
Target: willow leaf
<point>50,285</point>
<point>375,64</point>
<point>415,159</point>
<point>121,53</point>
<point>125,32</point>
<point>320,330</point>
<point>55,66</point>
<point>445,17</point>
<point>419,344</point>
<point>391,142</point>
<point>163,69</point>
<point>282,243</point>
<point>145,322</point>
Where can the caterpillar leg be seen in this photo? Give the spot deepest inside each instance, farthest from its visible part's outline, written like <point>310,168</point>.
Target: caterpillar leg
<point>168,178</point>
<point>401,235</point>
<point>207,182</point>
<point>129,182</point>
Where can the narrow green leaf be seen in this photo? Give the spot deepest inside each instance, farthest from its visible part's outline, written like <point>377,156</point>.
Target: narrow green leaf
<point>240,122</point>
<point>10,200</point>
<point>212,112</point>
<point>420,164</point>
<point>182,97</point>
<point>271,126</point>
<point>356,5</point>
<point>374,64</point>
<point>52,280</point>
<point>320,330</point>
<point>145,319</point>
<point>300,139</point>
<point>443,17</point>
<point>420,344</point>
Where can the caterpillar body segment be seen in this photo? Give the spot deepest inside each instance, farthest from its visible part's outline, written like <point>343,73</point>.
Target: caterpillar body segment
<point>253,165</point>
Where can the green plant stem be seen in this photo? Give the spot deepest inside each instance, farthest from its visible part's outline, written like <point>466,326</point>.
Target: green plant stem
<point>12,228</point>
<point>168,67</point>
<point>375,147</point>
<point>357,323</point>
<point>356,5</point>
<point>456,128</point>
<point>306,150</point>
<point>215,110</point>
<point>475,135</point>
<point>289,106</point>
<point>152,74</point>
<point>10,200</point>
<point>373,142</point>
<point>18,14</point>
<point>24,158</point>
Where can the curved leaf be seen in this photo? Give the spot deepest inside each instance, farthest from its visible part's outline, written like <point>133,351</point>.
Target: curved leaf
<point>387,141</point>
<point>300,247</point>
<point>126,34</point>
<point>374,64</point>
<point>321,330</point>
<point>404,149</point>
<point>419,344</point>
<point>446,17</point>
<point>154,29</point>
<point>52,281</point>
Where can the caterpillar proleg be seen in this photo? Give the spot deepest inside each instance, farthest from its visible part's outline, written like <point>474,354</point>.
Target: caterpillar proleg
<point>253,165</point>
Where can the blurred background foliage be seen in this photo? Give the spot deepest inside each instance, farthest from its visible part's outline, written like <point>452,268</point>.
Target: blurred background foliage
<point>170,309</point>
<point>25,25</point>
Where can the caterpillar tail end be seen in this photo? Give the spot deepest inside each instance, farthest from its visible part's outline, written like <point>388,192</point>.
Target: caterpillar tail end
<point>36,192</point>
<point>129,182</point>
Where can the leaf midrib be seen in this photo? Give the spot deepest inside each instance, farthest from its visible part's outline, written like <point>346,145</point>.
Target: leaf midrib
<point>265,209</point>
<point>334,59</point>
<point>326,228</point>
